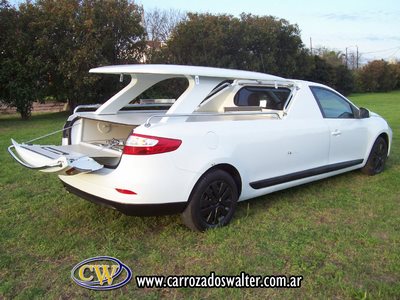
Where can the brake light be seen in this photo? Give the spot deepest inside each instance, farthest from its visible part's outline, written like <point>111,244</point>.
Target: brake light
<point>139,144</point>
<point>124,191</point>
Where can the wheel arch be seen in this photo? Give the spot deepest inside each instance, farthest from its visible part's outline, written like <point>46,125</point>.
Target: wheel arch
<point>385,136</point>
<point>375,162</point>
<point>231,170</point>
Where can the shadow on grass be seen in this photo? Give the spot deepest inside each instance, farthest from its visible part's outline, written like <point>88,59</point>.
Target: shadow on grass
<point>292,194</point>
<point>106,217</point>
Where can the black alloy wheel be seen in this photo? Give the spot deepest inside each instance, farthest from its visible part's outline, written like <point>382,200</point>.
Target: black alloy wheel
<point>212,202</point>
<point>377,158</point>
<point>216,203</point>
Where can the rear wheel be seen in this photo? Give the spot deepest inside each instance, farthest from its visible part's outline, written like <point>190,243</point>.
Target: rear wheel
<point>377,158</point>
<point>212,202</point>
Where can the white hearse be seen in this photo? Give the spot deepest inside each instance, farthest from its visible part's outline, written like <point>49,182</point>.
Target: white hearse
<point>231,136</point>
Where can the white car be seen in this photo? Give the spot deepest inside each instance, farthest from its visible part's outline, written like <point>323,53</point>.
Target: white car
<point>231,136</point>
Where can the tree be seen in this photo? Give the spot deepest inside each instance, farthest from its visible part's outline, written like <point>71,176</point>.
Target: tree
<point>79,35</point>
<point>257,43</point>
<point>353,60</point>
<point>336,76</point>
<point>344,80</point>
<point>47,48</point>
<point>322,72</point>
<point>332,57</point>
<point>160,23</point>
<point>19,69</point>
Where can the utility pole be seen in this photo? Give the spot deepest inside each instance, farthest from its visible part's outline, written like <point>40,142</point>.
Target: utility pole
<point>311,45</point>
<point>357,58</point>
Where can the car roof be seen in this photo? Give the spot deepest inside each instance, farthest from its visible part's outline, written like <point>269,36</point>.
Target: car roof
<point>185,70</point>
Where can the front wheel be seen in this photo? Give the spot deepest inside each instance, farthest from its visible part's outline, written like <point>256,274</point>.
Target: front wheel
<point>377,158</point>
<point>212,202</point>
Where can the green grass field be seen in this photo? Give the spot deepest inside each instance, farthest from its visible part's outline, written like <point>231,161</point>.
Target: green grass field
<point>342,234</point>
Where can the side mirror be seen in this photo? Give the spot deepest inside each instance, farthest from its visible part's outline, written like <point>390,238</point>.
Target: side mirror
<point>363,113</point>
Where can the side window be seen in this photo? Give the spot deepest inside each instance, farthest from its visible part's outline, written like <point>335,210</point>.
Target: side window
<point>264,97</point>
<point>331,104</point>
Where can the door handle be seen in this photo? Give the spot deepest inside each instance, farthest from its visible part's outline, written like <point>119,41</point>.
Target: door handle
<point>336,132</point>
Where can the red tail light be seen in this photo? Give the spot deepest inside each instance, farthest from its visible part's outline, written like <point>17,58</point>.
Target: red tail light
<point>139,144</point>
<point>124,191</point>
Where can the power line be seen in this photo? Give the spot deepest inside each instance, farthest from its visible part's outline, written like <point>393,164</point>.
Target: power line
<point>385,50</point>
<point>392,55</point>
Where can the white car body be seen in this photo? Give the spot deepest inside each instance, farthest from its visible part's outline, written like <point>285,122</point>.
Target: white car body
<point>264,149</point>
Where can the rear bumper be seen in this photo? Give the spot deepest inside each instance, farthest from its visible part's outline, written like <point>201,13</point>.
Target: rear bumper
<point>131,209</point>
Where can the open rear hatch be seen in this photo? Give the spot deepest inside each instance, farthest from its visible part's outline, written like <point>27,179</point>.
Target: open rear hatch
<point>79,158</point>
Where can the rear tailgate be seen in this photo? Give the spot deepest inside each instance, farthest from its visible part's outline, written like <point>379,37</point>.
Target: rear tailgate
<point>50,158</point>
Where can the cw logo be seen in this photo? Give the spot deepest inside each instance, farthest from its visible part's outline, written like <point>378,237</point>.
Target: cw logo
<point>101,275</point>
<point>102,272</point>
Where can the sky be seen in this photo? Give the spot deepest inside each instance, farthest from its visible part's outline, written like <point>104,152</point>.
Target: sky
<point>373,26</point>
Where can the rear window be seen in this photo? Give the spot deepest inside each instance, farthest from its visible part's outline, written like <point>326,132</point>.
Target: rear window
<point>264,97</point>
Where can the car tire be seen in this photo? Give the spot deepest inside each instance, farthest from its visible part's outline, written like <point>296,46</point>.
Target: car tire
<point>377,158</point>
<point>212,202</point>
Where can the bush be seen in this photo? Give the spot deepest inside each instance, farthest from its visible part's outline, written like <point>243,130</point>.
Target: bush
<point>344,80</point>
<point>395,68</point>
<point>335,76</point>
<point>378,76</point>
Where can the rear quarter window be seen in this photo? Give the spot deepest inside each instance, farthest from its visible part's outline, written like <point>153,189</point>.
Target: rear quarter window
<point>264,97</point>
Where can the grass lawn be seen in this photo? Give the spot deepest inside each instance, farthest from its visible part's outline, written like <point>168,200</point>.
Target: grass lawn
<point>342,234</point>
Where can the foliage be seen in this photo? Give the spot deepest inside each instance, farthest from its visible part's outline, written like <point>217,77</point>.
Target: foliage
<point>344,81</point>
<point>332,57</point>
<point>257,43</point>
<point>322,72</point>
<point>167,89</point>
<point>160,23</point>
<point>53,44</point>
<point>78,35</point>
<point>336,76</point>
<point>378,76</point>
<point>395,69</point>
<point>19,77</point>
